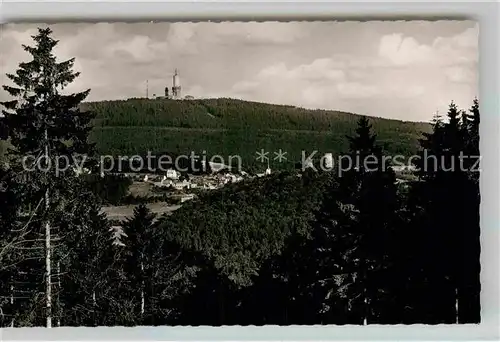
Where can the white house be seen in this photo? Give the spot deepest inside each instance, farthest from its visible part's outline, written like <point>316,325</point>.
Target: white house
<point>172,174</point>
<point>187,197</point>
<point>328,160</point>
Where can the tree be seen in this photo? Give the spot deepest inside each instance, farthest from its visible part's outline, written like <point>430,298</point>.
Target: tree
<point>370,189</point>
<point>446,202</point>
<point>338,271</point>
<point>470,284</point>
<point>84,262</point>
<point>8,204</point>
<point>47,131</point>
<point>305,283</point>
<point>139,231</point>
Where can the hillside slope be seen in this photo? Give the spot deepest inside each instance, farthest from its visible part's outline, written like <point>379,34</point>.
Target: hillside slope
<point>229,127</point>
<point>245,223</point>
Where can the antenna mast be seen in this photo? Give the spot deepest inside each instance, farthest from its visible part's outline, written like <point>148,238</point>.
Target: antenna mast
<point>147,89</point>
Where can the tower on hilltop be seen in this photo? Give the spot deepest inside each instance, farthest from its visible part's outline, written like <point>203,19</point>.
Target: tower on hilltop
<point>176,86</point>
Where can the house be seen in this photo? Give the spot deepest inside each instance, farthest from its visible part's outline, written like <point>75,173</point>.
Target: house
<point>209,186</point>
<point>233,178</point>
<point>163,183</point>
<point>187,197</point>
<point>172,174</point>
<point>182,185</point>
<point>266,173</point>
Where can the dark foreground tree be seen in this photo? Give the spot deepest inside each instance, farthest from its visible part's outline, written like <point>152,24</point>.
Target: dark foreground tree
<point>48,134</point>
<point>139,232</point>
<point>369,186</point>
<point>343,271</point>
<point>446,206</point>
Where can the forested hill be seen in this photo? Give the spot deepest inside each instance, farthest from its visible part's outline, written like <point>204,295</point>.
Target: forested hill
<point>232,113</point>
<point>243,224</point>
<point>229,127</point>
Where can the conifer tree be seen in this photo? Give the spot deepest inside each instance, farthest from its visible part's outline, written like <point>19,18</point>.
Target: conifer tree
<point>447,206</point>
<point>85,263</point>
<point>44,126</point>
<point>139,232</point>
<point>469,287</point>
<point>370,188</point>
<point>8,257</point>
<point>328,251</point>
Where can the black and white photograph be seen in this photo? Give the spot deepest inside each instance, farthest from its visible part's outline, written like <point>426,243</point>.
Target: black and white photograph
<point>231,173</point>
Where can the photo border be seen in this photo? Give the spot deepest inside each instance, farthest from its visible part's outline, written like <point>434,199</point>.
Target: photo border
<point>486,13</point>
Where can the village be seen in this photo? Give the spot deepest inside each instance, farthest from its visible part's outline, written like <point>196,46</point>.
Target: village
<point>171,189</point>
<point>176,187</point>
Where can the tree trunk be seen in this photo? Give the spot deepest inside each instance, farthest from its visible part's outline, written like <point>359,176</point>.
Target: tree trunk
<point>364,283</point>
<point>365,319</point>
<point>142,290</point>
<point>12,300</point>
<point>94,305</point>
<point>48,274</point>
<point>48,287</point>
<point>59,314</point>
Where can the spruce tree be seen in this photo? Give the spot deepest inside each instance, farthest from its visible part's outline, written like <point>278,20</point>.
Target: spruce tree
<point>446,203</point>
<point>330,248</point>
<point>8,253</point>
<point>139,232</point>
<point>469,286</point>
<point>84,265</point>
<point>370,188</point>
<point>44,125</point>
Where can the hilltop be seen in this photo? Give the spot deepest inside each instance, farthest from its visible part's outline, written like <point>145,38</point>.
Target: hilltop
<point>221,113</point>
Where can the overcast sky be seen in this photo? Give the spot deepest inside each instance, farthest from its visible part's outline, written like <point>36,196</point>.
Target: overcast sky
<point>404,70</point>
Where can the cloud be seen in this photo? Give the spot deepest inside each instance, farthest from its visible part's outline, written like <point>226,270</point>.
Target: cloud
<point>458,49</point>
<point>393,69</point>
<point>304,83</point>
<point>356,90</point>
<point>319,70</point>
<point>404,50</point>
<point>459,74</point>
<point>248,32</point>
<point>11,51</point>
<point>189,38</point>
<point>321,83</point>
<point>182,37</point>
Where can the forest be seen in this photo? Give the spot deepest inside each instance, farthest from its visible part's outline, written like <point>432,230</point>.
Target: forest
<point>301,248</point>
<point>229,127</point>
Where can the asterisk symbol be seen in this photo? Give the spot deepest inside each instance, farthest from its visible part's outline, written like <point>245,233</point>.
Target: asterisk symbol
<point>280,155</point>
<point>262,155</point>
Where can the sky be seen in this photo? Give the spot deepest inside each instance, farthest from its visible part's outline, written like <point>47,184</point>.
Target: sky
<point>405,70</point>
